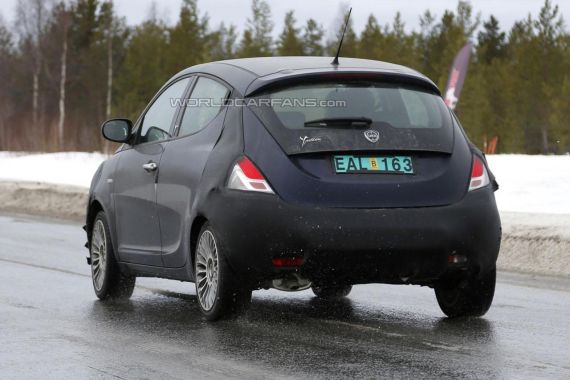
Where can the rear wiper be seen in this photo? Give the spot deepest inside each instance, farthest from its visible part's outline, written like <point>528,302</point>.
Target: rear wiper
<point>336,122</point>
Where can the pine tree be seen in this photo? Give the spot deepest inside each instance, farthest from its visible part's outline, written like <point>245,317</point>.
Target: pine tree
<point>257,40</point>
<point>521,132</point>
<point>313,38</point>
<point>32,20</point>
<point>398,47</point>
<point>248,46</point>
<point>549,33</point>
<point>445,39</point>
<point>425,38</point>
<point>559,118</point>
<point>221,43</point>
<point>491,41</point>
<point>142,73</point>
<point>187,45</point>
<point>290,42</point>
<point>84,23</point>
<point>467,22</point>
<point>560,113</point>
<point>371,39</point>
<point>87,78</point>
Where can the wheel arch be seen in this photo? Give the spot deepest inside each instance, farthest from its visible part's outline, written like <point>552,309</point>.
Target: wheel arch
<point>94,208</point>
<point>195,228</point>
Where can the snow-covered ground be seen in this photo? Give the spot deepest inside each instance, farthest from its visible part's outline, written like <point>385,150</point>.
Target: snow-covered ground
<point>530,184</point>
<point>74,168</point>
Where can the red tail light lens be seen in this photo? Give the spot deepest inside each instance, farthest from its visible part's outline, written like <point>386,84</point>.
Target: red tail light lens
<point>246,176</point>
<point>479,176</point>
<point>288,261</point>
<point>249,169</point>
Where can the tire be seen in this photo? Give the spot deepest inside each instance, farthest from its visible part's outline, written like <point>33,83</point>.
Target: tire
<point>331,291</point>
<point>219,291</point>
<point>469,297</point>
<point>108,280</point>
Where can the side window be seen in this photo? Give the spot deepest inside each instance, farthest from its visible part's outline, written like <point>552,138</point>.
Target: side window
<point>205,103</point>
<point>158,119</point>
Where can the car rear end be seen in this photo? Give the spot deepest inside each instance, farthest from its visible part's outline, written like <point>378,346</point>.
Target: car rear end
<point>357,178</point>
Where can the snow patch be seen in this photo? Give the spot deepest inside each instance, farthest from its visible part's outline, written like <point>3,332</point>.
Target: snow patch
<point>532,184</point>
<point>72,168</point>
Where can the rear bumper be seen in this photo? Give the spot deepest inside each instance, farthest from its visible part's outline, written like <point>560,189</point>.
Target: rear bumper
<point>410,245</point>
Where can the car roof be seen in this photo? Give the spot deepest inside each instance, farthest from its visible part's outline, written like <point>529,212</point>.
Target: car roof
<point>249,75</point>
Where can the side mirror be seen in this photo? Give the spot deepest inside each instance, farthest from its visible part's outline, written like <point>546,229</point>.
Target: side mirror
<point>117,130</point>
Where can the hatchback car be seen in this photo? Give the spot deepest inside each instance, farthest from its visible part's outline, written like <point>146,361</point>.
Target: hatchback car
<point>294,173</point>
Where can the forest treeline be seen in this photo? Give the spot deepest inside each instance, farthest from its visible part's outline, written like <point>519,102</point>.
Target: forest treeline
<point>67,66</point>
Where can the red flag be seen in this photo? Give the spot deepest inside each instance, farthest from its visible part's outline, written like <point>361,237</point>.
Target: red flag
<point>457,76</point>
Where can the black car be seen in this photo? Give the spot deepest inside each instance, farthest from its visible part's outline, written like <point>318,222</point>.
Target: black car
<point>290,173</point>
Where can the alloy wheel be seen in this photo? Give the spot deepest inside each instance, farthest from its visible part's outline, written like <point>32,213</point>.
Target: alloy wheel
<point>98,254</point>
<point>207,270</point>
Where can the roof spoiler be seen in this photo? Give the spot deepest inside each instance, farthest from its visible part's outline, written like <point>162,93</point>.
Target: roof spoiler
<point>292,77</point>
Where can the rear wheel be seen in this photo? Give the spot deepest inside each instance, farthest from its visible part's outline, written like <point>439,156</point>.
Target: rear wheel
<point>220,293</point>
<point>331,291</point>
<point>108,280</point>
<point>468,297</point>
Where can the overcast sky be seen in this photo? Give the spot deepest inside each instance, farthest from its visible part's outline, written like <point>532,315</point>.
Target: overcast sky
<point>237,11</point>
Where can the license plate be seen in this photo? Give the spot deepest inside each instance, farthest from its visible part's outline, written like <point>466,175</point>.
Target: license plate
<point>379,164</point>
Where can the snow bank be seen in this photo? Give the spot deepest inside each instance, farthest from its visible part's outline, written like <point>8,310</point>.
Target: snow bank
<point>73,168</point>
<point>531,184</point>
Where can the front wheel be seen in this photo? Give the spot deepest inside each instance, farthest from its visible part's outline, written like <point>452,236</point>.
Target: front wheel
<point>108,280</point>
<point>469,297</point>
<point>220,293</point>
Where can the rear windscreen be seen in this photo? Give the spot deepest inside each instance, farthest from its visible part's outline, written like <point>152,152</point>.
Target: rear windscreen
<point>355,115</point>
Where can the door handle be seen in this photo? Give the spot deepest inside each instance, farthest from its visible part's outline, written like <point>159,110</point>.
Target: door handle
<point>150,167</point>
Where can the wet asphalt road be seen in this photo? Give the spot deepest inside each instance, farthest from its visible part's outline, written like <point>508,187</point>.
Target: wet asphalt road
<point>51,325</point>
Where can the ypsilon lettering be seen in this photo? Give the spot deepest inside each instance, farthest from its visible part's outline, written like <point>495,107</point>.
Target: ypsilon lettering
<point>307,139</point>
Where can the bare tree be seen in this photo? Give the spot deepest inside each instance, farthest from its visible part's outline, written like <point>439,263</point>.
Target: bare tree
<point>110,59</point>
<point>31,19</point>
<point>109,35</point>
<point>5,54</point>
<point>64,21</point>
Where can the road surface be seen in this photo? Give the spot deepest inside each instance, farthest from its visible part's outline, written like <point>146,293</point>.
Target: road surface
<point>52,326</point>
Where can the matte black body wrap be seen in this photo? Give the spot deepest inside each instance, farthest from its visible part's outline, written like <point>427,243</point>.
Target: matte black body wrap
<point>359,245</point>
<point>355,229</point>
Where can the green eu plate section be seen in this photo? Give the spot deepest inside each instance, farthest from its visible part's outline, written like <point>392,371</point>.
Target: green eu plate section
<point>378,164</point>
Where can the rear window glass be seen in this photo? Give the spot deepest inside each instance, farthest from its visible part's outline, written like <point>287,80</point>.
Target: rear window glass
<point>406,117</point>
<point>400,107</point>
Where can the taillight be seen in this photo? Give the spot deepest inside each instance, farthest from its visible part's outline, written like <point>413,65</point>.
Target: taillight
<point>479,176</point>
<point>246,176</point>
<point>288,261</point>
